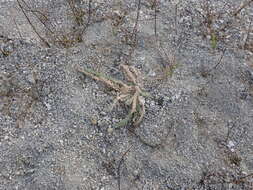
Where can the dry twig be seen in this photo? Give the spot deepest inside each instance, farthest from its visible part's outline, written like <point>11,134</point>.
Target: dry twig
<point>119,166</point>
<point>243,5</point>
<point>33,27</point>
<point>134,33</point>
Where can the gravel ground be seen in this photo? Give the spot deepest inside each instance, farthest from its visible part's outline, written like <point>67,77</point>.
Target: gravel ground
<point>56,127</point>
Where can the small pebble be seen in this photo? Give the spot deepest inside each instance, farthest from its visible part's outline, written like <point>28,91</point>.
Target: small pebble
<point>110,130</point>
<point>94,121</point>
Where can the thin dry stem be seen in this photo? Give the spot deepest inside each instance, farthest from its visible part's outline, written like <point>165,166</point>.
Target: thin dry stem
<point>33,27</point>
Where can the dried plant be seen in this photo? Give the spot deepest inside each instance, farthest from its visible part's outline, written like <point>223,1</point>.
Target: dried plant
<point>130,93</point>
<point>53,34</point>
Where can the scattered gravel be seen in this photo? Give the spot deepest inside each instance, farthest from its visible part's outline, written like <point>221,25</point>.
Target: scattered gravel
<point>56,127</point>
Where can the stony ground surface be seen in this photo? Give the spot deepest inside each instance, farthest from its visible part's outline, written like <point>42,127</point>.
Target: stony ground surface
<point>56,127</point>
